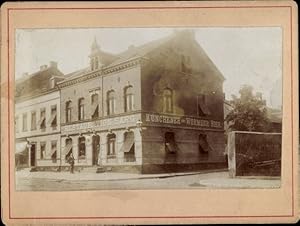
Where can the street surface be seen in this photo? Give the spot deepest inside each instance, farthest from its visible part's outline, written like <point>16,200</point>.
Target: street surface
<point>64,181</point>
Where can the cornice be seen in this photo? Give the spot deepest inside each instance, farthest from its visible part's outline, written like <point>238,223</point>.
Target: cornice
<point>101,72</point>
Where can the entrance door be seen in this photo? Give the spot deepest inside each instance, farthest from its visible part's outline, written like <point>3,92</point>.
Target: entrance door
<point>96,148</point>
<point>32,155</point>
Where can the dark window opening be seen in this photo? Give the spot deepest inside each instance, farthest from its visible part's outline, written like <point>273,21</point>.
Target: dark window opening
<point>170,143</point>
<point>202,108</point>
<point>53,119</point>
<point>81,109</point>
<point>204,147</point>
<point>68,111</point>
<point>110,102</point>
<point>128,99</point>
<point>54,151</point>
<point>81,148</point>
<point>111,145</point>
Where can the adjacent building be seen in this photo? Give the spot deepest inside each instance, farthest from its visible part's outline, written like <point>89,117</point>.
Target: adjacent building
<point>37,118</point>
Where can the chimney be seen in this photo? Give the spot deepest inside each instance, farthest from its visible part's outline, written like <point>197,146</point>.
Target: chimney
<point>53,64</point>
<point>43,67</point>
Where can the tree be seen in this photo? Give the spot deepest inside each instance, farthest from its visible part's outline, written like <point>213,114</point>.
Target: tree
<point>249,112</point>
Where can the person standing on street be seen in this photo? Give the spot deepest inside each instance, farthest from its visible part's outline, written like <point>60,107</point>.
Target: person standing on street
<point>71,162</point>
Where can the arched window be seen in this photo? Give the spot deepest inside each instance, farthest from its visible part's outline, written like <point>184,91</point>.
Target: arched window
<point>168,100</point>
<point>110,102</point>
<point>81,148</point>
<point>128,98</point>
<point>68,111</point>
<point>81,109</point>
<point>95,106</point>
<point>111,144</point>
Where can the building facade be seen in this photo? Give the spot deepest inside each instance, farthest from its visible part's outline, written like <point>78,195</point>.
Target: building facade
<point>156,107</point>
<point>37,118</point>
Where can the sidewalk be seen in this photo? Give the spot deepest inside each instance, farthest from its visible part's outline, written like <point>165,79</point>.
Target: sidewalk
<point>106,176</point>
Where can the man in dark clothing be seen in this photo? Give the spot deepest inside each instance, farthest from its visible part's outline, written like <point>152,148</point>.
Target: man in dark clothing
<point>71,162</point>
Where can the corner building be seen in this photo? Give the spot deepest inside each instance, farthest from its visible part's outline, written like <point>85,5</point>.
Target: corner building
<point>153,108</point>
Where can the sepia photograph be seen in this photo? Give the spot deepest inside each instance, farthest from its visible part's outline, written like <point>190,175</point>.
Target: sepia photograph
<point>148,108</point>
<point>161,112</point>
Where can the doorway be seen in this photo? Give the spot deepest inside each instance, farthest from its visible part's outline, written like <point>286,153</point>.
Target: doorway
<point>96,149</point>
<point>32,155</point>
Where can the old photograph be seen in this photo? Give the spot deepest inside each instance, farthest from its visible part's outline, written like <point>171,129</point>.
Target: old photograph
<point>148,108</point>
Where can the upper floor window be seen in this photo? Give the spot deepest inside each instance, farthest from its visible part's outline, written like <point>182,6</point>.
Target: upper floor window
<point>202,105</point>
<point>42,122</point>
<point>168,100</point>
<point>68,111</point>
<point>128,98</point>
<point>111,144</point>
<point>110,102</point>
<point>95,105</point>
<point>33,120</point>
<point>24,122</point>
<point>81,109</point>
<point>53,119</point>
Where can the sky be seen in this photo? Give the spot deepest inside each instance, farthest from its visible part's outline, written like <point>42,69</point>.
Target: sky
<point>248,55</point>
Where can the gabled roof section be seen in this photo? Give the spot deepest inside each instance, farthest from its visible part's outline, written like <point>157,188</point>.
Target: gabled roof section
<point>37,82</point>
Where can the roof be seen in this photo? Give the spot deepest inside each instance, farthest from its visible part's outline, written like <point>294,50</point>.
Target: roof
<point>37,82</point>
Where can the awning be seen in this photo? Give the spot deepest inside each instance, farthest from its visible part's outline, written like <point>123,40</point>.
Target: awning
<point>52,118</point>
<point>68,149</point>
<point>21,147</point>
<point>171,146</point>
<point>94,109</point>
<point>203,107</point>
<point>129,142</point>
<point>41,120</point>
<point>204,144</point>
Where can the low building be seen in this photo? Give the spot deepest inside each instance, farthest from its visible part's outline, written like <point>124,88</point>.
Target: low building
<point>37,118</point>
<point>156,107</point>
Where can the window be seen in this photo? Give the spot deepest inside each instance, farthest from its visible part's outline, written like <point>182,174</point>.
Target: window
<point>81,109</point>
<point>53,119</point>
<point>128,99</point>
<point>110,102</point>
<point>168,100</point>
<point>81,148</point>
<point>17,124</point>
<point>170,144</point>
<point>33,120</point>
<point>24,122</point>
<point>43,150</point>
<point>42,122</point>
<point>95,106</point>
<point>128,147</point>
<point>68,111</point>
<point>54,151</point>
<point>202,108</point>
<point>68,148</point>
<point>111,144</point>
<point>204,147</point>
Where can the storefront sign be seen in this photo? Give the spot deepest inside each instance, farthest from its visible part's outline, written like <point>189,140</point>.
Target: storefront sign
<point>182,121</point>
<point>108,123</point>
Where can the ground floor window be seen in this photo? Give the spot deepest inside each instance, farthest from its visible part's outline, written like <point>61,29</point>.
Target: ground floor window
<point>54,151</point>
<point>128,147</point>
<point>81,148</point>
<point>204,147</point>
<point>68,148</point>
<point>111,145</point>
<point>170,144</point>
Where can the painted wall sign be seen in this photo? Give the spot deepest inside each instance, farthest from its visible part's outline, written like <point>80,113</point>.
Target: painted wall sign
<point>181,120</point>
<point>108,123</point>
